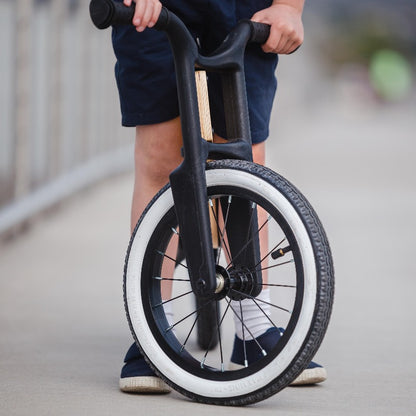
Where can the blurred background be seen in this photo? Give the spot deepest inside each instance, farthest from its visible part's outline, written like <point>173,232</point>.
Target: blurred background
<point>59,125</point>
<point>342,130</point>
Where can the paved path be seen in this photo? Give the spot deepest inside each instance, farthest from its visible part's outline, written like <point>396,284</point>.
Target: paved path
<point>62,325</point>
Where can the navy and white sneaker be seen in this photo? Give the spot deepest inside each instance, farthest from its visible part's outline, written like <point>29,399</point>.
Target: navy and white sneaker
<point>313,374</point>
<point>137,377</point>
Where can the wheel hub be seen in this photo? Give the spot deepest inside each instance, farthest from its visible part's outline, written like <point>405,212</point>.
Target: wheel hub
<point>237,282</point>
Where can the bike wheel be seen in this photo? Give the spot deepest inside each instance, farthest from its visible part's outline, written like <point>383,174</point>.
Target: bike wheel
<point>300,280</point>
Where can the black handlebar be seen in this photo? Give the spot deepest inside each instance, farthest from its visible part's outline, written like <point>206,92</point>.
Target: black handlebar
<point>106,13</point>
<point>259,32</point>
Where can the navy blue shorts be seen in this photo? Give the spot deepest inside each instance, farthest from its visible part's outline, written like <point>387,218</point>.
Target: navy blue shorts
<point>145,72</point>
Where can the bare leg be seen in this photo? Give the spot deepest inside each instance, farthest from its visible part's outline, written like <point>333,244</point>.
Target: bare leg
<point>259,153</point>
<point>157,153</point>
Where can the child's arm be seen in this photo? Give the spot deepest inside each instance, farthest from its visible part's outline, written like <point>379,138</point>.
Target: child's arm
<point>285,18</point>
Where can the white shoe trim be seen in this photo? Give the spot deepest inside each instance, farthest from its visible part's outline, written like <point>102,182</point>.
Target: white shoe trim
<point>147,384</point>
<point>310,376</point>
<point>306,377</point>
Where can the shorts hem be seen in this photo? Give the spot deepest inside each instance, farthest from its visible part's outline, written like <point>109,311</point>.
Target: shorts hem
<point>143,119</point>
<point>259,136</point>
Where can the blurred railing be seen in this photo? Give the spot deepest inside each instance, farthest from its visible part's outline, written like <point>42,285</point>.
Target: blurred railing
<point>59,112</point>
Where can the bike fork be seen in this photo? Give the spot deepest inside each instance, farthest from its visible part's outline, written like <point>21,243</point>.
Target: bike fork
<point>188,181</point>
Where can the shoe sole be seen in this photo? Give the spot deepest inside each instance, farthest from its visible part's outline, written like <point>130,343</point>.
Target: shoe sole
<point>305,378</point>
<point>310,376</point>
<point>148,384</point>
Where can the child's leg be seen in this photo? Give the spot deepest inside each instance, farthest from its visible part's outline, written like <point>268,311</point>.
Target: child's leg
<point>157,153</point>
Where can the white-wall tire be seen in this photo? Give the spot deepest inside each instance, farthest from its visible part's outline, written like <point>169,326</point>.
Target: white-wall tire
<point>316,301</point>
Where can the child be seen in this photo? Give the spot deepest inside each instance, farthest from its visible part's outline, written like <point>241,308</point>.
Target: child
<point>147,87</point>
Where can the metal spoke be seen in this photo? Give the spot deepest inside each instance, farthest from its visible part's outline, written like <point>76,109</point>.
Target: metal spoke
<point>218,227</point>
<point>276,285</point>
<point>263,351</point>
<point>196,311</point>
<point>274,265</point>
<point>263,301</point>
<point>271,251</point>
<point>219,326</point>
<point>175,231</point>
<point>171,299</point>
<point>244,336</point>
<point>190,331</point>
<point>219,338</point>
<point>265,314</point>
<point>169,328</point>
<point>170,279</point>
<point>171,258</point>
<point>223,229</point>
<point>250,240</point>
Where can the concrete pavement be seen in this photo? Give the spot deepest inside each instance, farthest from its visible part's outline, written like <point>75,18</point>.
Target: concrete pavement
<point>62,324</point>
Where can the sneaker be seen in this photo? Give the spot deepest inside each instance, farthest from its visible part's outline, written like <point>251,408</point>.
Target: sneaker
<point>313,374</point>
<point>137,377</point>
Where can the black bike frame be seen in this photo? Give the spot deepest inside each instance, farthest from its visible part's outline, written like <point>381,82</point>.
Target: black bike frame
<point>188,181</point>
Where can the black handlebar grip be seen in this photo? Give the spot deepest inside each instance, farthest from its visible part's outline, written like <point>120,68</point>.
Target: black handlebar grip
<point>163,19</point>
<point>259,32</point>
<point>105,13</point>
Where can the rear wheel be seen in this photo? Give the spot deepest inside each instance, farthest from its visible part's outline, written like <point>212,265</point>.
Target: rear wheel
<point>297,269</point>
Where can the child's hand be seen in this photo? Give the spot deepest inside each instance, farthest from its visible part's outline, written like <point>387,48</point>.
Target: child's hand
<point>146,14</point>
<point>285,19</point>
